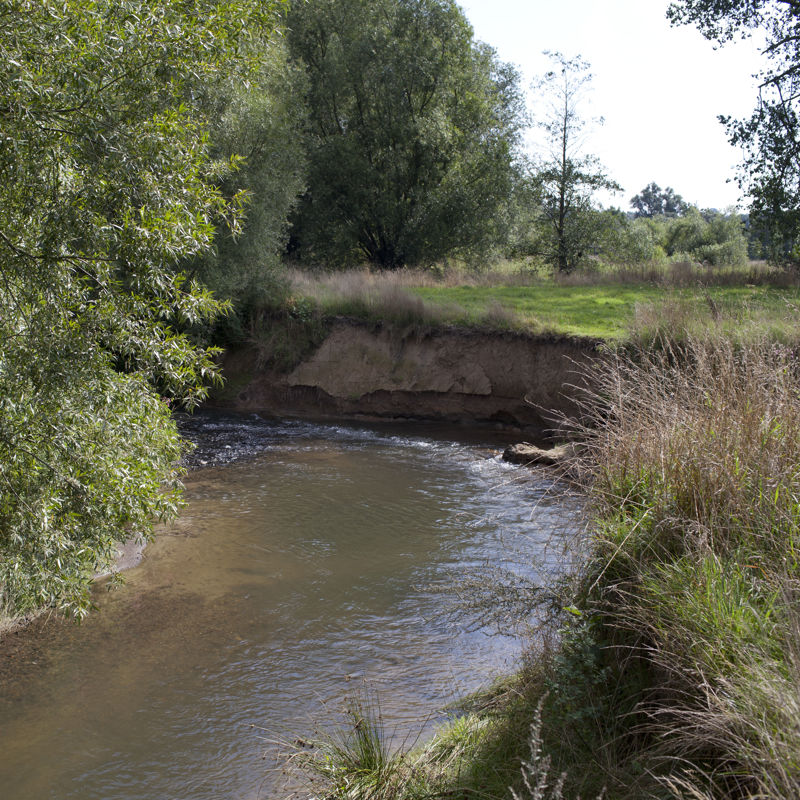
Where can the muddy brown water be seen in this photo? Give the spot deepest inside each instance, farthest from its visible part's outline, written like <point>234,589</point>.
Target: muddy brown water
<point>310,561</point>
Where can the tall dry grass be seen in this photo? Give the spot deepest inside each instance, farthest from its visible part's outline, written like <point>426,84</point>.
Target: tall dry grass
<point>690,596</point>
<point>386,297</point>
<point>372,295</point>
<point>683,274</point>
<point>326,286</point>
<point>678,319</point>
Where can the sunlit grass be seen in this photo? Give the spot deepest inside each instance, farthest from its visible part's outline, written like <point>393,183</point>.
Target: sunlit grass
<point>594,311</point>
<point>610,306</point>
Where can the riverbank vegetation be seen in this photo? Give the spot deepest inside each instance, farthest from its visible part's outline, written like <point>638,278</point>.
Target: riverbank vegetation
<point>666,665</point>
<point>108,184</point>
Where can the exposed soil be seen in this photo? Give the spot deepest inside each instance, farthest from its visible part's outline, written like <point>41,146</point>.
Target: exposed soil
<point>455,375</point>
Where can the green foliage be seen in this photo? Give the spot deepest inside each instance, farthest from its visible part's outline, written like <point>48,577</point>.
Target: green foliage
<point>257,126</point>
<point>710,237</point>
<point>707,237</point>
<point>622,241</point>
<point>770,138</point>
<point>653,201</point>
<point>412,132</point>
<point>108,185</point>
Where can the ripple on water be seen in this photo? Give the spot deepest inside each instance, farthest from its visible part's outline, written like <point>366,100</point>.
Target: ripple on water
<point>308,560</point>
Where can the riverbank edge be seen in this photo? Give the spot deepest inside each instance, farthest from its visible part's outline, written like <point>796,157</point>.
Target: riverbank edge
<point>522,384</point>
<point>452,376</point>
<point>129,555</point>
<point>525,384</point>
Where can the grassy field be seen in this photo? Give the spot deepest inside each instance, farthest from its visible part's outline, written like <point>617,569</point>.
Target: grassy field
<point>608,311</point>
<point>611,306</point>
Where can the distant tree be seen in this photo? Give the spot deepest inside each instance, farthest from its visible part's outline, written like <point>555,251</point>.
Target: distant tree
<point>412,132</point>
<point>567,179</point>
<point>770,138</point>
<point>706,236</point>
<point>654,201</point>
<point>623,241</point>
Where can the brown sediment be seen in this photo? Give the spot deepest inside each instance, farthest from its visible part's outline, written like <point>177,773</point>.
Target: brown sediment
<point>129,555</point>
<point>453,375</point>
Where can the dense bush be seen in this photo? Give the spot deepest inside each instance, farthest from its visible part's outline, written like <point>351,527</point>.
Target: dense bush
<point>707,237</point>
<point>256,126</point>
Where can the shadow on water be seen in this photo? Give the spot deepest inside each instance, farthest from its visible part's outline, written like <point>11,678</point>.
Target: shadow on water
<point>308,558</point>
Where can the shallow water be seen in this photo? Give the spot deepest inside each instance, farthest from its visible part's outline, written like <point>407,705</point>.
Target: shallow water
<point>309,561</point>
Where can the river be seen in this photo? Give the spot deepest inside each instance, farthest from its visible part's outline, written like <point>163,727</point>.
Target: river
<point>309,562</point>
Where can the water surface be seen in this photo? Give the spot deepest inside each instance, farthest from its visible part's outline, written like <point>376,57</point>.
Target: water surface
<point>310,559</point>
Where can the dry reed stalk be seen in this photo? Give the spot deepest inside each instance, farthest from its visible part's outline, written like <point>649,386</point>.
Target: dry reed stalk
<point>693,580</point>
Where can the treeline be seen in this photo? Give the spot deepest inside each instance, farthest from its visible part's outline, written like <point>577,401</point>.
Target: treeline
<point>382,133</point>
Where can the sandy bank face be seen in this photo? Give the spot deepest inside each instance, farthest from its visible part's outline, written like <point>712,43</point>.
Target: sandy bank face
<point>450,375</point>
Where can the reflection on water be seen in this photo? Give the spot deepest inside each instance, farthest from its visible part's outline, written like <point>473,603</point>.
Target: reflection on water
<point>315,557</point>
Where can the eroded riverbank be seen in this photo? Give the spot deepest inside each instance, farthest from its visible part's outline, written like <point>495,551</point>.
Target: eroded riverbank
<point>514,381</point>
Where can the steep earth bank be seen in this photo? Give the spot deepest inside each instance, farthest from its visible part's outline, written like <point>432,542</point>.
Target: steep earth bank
<point>453,375</point>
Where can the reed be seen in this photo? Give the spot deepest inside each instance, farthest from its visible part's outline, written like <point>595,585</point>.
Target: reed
<point>688,601</point>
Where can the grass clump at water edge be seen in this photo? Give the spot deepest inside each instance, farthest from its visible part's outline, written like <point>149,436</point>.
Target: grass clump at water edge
<point>490,749</point>
<point>688,600</point>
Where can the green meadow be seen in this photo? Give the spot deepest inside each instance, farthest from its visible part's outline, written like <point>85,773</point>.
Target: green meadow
<point>607,311</point>
<point>612,306</point>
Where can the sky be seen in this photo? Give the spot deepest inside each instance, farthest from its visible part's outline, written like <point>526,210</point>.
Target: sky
<point>659,89</point>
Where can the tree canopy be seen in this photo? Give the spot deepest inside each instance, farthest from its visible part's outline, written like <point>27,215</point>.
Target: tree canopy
<point>654,201</point>
<point>108,184</point>
<point>412,131</point>
<point>770,138</point>
<point>258,124</point>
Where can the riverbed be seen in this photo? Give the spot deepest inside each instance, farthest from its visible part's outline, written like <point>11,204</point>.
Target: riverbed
<point>311,562</point>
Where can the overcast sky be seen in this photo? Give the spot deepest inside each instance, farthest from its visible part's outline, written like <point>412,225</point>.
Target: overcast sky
<point>659,88</point>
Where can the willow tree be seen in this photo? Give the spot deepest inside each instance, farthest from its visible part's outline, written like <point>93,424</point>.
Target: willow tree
<point>412,131</point>
<point>258,123</point>
<point>107,185</point>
